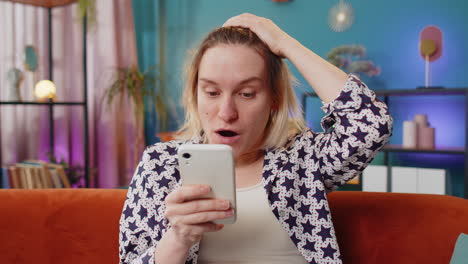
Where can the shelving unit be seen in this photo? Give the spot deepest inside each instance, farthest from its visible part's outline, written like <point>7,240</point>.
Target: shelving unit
<point>440,150</point>
<point>50,4</point>
<point>386,94</point>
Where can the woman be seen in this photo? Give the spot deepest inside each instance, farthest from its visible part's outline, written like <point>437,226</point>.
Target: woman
<point>238,92</point>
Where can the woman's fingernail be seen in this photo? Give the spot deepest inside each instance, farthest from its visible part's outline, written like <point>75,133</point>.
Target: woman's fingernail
<point>223,205</point>
<point>204,188</point>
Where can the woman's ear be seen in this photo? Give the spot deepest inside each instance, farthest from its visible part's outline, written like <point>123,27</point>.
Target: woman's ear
<point>274,106</point>
<point>273,110</point>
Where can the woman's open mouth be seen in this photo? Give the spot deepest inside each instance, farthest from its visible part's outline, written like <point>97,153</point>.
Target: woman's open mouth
<point>227,133</point>
<point>226,136</point>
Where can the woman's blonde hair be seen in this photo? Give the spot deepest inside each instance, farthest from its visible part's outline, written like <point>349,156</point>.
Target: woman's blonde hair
<point>285,117</point>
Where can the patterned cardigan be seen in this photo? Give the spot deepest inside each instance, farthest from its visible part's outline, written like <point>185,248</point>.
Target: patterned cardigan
<point>296,179</point>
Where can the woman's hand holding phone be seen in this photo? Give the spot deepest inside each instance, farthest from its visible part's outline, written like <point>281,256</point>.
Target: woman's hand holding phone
<point>191,215</point>
<point>205,201</point>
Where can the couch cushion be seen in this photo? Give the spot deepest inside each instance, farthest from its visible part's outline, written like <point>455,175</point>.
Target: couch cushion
<point>396,227</point>
<point>60,225</point>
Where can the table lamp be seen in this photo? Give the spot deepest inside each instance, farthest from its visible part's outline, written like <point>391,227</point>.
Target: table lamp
<point>45,90</point>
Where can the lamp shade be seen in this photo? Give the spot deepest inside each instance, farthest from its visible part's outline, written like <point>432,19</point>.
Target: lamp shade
<point>45,89</point>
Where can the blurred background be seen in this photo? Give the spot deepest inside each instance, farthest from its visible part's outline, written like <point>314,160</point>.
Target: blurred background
<point>118,68</point>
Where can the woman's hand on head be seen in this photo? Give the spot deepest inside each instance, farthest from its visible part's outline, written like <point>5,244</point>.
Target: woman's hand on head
<point>265,29</point>
<point>191,216</point>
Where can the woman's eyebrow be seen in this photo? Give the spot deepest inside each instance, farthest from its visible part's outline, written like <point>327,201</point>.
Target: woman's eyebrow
<point>248,80</point>
<point>207,81</point>
<point>251,79</point>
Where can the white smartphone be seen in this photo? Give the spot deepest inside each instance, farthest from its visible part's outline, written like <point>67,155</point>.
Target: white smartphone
<point>213,165</point>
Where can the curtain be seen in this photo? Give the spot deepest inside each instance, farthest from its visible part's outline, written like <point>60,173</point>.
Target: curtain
<point>110,44</point>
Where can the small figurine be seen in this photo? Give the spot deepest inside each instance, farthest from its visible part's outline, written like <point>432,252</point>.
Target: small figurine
<point>14,79</point>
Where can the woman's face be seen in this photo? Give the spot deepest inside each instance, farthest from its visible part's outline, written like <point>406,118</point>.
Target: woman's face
<point>234,101</point>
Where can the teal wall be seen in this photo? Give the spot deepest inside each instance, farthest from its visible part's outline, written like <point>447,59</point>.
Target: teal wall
<point>388,29</point>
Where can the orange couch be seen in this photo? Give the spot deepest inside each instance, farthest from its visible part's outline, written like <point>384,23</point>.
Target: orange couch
<point>60,226</point>
<point>81,226</point>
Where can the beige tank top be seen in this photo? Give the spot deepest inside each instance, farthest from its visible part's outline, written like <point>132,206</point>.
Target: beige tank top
<point>256,237</point>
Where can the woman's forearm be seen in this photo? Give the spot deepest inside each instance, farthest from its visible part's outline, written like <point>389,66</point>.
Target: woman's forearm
<point>169,251</point>
<point>326,79</point>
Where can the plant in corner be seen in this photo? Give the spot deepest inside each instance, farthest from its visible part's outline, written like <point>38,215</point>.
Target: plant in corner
<point>87,9</point>
<point>136,85</point>
<point>75,174</point>
<point>345,56</point>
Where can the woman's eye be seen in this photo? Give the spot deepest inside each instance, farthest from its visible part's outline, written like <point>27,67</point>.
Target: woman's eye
<point>211,94</point>
<point>247,95</point>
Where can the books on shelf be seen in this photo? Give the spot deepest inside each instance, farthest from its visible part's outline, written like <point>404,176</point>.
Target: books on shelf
<point>33,174</point>
<point>4,180</point>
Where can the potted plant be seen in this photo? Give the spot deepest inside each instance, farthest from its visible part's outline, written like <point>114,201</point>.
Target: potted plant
<point>87,9</point>
<point>136,85</point>
<point>349,58</point>
<point>74,174</point>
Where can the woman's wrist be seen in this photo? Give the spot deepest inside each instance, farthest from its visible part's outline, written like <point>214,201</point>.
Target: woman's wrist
<point>175,242</point>
<point>170,249</point>
<point>289,47</point>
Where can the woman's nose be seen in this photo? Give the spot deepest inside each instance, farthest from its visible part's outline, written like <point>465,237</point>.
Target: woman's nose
<point>228,110</point>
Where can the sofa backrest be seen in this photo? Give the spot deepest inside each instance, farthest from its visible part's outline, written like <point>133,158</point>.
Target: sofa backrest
<point>82,226</point>
<point>60,225</point>
<point>397,228</point>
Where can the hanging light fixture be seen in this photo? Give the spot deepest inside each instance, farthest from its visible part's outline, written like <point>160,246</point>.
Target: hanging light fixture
<point>341,16</point>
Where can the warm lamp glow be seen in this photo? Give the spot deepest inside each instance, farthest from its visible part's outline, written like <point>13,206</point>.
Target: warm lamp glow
<point>45,89</point>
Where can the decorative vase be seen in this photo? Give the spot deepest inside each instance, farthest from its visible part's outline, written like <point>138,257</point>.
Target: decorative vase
<point>409,134</point>
<point>425,133</point>
<point>426,137</point>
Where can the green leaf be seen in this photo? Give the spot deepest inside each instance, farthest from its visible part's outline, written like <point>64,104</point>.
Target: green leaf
<point>136,86</point>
